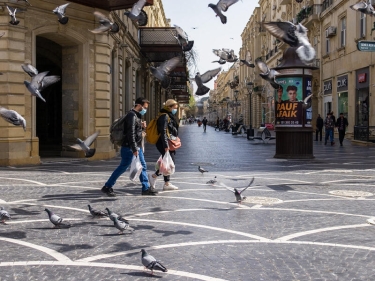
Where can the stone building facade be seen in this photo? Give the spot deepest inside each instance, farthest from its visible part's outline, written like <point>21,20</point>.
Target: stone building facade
<point>101,75</point>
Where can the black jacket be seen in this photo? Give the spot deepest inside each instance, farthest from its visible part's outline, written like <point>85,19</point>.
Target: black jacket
<point>133,130</point>
<point>319,122</point>
<point>167,121</point>
<point>345,123</point>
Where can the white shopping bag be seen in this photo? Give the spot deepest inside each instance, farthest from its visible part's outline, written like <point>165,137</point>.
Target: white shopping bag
<point>167,166</point>
<point>135,169</point>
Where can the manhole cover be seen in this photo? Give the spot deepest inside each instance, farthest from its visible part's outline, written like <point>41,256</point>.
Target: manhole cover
<point>351,193</point>
<point>262,200</point>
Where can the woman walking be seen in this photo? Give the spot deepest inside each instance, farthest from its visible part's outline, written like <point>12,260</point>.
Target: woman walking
<point>168,129</point>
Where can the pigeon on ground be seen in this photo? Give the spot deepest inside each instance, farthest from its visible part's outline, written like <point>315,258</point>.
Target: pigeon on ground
<point>121,225</point>
<point>307,102</point>
<point>105,25</point>
<point>137,14</point>
<point>12,13</point>
<point>13,117</point>
<point>364,7</point>
<point>85,145</point>
<point>55,219</point>
<point>161,72</point>
<point>294,36</point>
<point>204,78</point>
<point>113,215</point>
<point>4,215</point>
<point>222,5</point>
<point>248,60</point>
<point>267,74</point>
<point>183,40</point>
<point>202,170</point>
<point>151,263</point>
<point>60,12</point>
<point>26,1</point>
<point>96,213</point>
<point>212,181</point>
<point>238,192</point>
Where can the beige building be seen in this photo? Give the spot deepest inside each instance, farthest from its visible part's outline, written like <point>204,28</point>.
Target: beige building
<point>101,75</point>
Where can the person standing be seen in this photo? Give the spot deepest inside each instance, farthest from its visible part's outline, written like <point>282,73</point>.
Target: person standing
<point>217,123</point>
<point>132,146</point>
<point>319,127</point>
<point>167,126</point>
<point>329,126</point>
<point>341,125</point>
<point>204,122</point>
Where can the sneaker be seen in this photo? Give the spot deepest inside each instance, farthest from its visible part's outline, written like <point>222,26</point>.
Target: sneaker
<point>152,180</point>
<point>109,191</point>
<point>169,187</point>
<point>149,192</point>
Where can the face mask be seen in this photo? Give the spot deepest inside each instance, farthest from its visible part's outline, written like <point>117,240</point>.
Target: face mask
<point>174,111</point>
<point>143,111</point>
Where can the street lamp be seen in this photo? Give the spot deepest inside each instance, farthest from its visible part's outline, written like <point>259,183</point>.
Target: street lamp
<point>250,88</point>
<point>235,97</point>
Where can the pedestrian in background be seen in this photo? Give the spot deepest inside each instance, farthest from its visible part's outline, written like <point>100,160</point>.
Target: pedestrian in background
<point>204,122</point>
<point>329,126</point>
<point>319,127</point>
<point>217,122</point>
<point>167,125</point>
<point>341,125</point>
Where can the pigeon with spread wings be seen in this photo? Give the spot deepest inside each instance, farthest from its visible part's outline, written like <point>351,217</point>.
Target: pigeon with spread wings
<point>183,39</point>
<point>13,117</point>
<point>106,25</point>
<point>161,72</point>
<point>364,7</point>
<point>238,191</point>
<point>137,14</point>
<point>267,74</point>
<point>222,6</point>
<point>12,13</point>
<point>204,78</point>
<point>248,60</point>
<point>60,12</point>
<point>85,145</point>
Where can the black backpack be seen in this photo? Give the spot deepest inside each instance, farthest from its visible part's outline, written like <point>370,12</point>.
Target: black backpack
<point>116,132</point>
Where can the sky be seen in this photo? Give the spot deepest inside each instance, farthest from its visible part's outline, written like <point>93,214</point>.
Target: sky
<point>210,33</point>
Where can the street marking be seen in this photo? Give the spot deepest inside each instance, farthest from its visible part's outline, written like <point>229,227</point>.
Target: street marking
<point>111,265</point>
<point>43,220</point>
<point>36,182</point>
<point>342,180</point>
<point>314,211</point>
<point>58,256</point>
<point>303,233</point>
<point>204,200</point>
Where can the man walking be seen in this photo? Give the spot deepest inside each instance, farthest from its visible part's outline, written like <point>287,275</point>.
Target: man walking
<point>319,127</point>
<point>329,126</point>
<point>204,121</point>
<point>132,146</point>
<point>341,125</point>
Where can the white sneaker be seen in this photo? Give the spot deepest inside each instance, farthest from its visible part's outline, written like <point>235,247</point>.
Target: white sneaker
<point>169,187</point>
<point>151,180</point>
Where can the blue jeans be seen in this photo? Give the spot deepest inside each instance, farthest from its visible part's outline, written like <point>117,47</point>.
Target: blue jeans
<point>329,133</point>
<point>126,160</point>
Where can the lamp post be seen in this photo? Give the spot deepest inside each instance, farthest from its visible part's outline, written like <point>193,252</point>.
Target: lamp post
<point>250,88</point>
<point>236,97</point>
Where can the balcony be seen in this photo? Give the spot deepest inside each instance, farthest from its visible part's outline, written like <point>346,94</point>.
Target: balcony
<point>326,4</point>
<point>309,14</point>
<point>110,5</point>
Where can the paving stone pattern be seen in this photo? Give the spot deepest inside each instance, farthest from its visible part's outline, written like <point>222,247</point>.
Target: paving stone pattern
<point>311,225</point>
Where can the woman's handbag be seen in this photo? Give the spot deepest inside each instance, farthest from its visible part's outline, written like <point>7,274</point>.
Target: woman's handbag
<point>174,144</point>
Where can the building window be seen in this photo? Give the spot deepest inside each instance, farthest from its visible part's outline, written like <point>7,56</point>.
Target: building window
<point>343,32</point>
<point>362,25</point>
<point>362,107</point>
<point>343,103</point>
<point>327,42</point>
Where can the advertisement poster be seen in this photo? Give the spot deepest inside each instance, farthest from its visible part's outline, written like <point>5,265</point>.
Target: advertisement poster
<point>308,92</point>
<point>289,100</point>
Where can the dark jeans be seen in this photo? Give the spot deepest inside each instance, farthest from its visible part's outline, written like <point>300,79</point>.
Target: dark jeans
<point>341,135</point>
<point>204,126</point>
<point>160,148</point>
<point>329,134</point>
<point>318,131</point>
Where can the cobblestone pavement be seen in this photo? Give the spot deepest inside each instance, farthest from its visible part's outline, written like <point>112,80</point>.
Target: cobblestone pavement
<point>302,220</point>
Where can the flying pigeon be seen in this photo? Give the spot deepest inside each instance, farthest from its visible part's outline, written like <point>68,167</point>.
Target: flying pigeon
<point>212,181</point>
<point>247,60</point>
<point>2,34</point>
<point>105,25</point>
<point>225,54</point>
<point>204,78</point>
<point>85,145</point>
<point>96,213</point>
<point>12,13</point>
<point>113,215</point>
<point>183,40</point>
<point>137,14</point>
<point>161,72</point>
<point>26,1</point>
<point>39,82</point>
<point>307,102</point>
<point>202,170</point>
<point>238,192</point>
<point>220,61</point>
<point>151,263</point>
<point>122,226</point>
<point>60,12</point>
<point>13,117</point>
<point>4,215</point>
<point>267,74</point>
<point>294,36</point>
<point>364,7</point>
<point>222,5</point>
<point>55,219</point>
